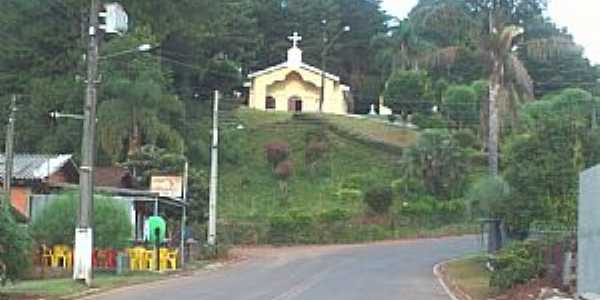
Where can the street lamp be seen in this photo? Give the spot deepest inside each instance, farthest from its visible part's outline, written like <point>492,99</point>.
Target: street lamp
<point>326,47</point>
<point>140,48</point>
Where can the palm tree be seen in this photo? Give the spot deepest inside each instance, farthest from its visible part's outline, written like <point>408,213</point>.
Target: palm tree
<point>401,45</point>
<point>502,59</point>
<point>509,81</point>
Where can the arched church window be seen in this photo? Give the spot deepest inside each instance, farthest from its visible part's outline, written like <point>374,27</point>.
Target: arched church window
<point>270,103</point>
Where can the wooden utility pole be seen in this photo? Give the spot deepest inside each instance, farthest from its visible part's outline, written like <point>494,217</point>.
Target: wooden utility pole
<point>214,173</point>
<point>84,233</point>
<point>9,150</point>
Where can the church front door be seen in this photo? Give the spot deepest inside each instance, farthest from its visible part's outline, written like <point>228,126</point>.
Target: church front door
<point>295,104</point>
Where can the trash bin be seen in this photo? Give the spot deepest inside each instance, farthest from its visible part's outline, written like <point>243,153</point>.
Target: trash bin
<point>122,263</point>
<point>491,232</point>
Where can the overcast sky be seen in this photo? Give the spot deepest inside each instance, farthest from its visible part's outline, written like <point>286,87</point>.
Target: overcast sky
<point>582,17</point>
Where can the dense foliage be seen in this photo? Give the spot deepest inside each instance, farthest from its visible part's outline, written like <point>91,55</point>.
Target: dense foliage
<point>517,264</point>
<point>56,224</point>
<point>439,162</point>
<point>379,199</point>
<point>488,197</point>
<point>15,245</point>
<point>543,161</point>
<point>461,105</point>
<point>405,91</point>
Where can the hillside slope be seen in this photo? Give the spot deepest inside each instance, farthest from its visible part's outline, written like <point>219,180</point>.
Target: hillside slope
<point>250,191</point>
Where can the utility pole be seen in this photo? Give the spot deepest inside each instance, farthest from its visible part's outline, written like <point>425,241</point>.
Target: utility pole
<point>9,154</point>
<point>323,61</point>
<point>214,160</point>
<point>594,114</point>
<point>184,210</point>
<point>84,232</point>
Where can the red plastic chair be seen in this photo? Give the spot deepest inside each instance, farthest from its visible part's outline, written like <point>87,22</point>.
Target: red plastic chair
<point>111,259</point>
<point>95,258</point>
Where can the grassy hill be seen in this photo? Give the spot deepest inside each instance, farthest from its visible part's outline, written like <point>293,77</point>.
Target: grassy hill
<point>357,158</point>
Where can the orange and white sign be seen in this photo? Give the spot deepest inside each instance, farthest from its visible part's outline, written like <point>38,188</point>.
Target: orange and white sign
<point>167,186</point>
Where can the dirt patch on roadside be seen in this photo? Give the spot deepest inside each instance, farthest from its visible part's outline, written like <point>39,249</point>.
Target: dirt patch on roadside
<point>246,252</point>
<point>284,254</point>
<point>529,291</point>
<point>23,297</point>
<point>526,291</point>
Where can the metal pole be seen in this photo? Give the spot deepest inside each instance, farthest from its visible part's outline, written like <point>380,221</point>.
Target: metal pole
<point>183,221</point>
<point>214,159</point>
<point>323,57</point>
<point>184,212</point>
<point>9,154</point>
<point>594,115</point>
<point>156,207</point>
<point>322,99</point>
<point>84,232</point>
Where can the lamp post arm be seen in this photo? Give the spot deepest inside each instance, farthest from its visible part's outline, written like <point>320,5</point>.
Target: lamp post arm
<point>141,48</point>
<point>332,42</point>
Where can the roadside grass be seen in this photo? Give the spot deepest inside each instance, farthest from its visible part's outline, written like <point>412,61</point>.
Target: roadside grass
<point>470,276</point>
<point>66,286</point>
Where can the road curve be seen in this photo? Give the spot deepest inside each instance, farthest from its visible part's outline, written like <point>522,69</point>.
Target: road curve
<point>389,270</point>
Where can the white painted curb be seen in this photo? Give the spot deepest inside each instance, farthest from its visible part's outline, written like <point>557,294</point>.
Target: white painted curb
<point>438,275</point>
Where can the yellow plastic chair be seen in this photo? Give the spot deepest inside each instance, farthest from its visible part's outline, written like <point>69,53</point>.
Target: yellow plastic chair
<point>60,254</point>
<point>149,260</point>
<point>136,258</point>
<point>171,259</point>
<point>69,255</point>
<point>164,254</point>
<point>47,258</point>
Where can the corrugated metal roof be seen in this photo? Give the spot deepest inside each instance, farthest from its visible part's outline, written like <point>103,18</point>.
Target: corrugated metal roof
<point>35,166</point>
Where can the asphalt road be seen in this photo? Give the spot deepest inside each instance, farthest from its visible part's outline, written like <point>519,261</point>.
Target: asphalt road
<point>390,270</point>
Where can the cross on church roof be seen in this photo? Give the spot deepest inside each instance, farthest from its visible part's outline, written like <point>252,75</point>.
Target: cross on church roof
<point>295,39</point>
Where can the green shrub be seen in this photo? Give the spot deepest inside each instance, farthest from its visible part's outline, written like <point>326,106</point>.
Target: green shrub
<point>466,138</point>
<point>379,199</point>
<point>405,91</point>
<point>425,206</point>
<point>349,195</point>
<point>516,264</point>
<point>292,227</point>
<point>233,146</point>
<point>461,105</point>
<point>392,118</point>
<point>487,196</point>
<point>431,212</point>
<point>439,162</point>
<point>334,215</point>
<point>56,223</point>
<point>428,121</point>
<point>15,246</point>
<point>451,211</point>
<point>408,188</point>
<point>358,181</point>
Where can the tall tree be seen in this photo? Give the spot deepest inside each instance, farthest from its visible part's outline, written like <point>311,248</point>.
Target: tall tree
<point>509,80</point>
<point>135,106</point>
